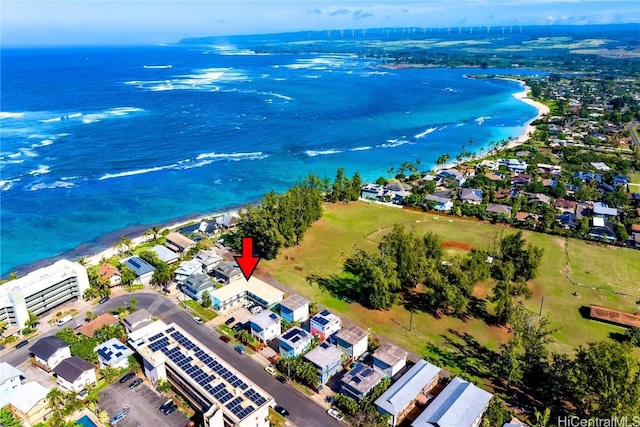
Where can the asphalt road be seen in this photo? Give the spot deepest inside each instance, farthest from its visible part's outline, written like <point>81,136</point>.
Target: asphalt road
<point>303,411</point>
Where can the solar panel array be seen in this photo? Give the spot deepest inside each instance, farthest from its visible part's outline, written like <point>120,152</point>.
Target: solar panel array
<point>206,379</point>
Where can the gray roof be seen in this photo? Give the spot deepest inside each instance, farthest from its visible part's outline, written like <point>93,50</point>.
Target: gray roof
<point>458,405</point>
<point>498,208</point>
<point>135,318</point>
<point>46,347</point>
<point>471,194</point>
<point>113,351</point>
<point>198,282</point>
<point>164,254</point>
<point>405,390</point>
<point>264,319</point>
<point>324,355</point>
<point>294,302</point>
<point>138,265</point>
<point>390,354</point>
<point>208,257</point>
<point>71,368</point>
<point>25,397</point>
<point>362,378</point>
<point>437,199</point>
<point>352,334</point>
<point>8,371</point>
<point>227,269</point>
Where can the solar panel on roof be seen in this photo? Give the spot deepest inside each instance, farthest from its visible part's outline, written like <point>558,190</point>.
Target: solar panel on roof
<point>366,372</point>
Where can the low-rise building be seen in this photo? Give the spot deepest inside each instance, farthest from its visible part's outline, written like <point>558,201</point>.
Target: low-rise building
<point>196,285</point>
<point>471,195</point>
<point>90,328</point>
<point>10,377</point>
<point>110,273</point>
<point>227,271</point>
<point>352,341</point>
<point>412,388</point>
<point>208,259</point>
<point>441,204</point>
<point>359,381</point>
<point>49,351</point>
<point>179,243</point>
<point>239,291</point>
<point>389,359</point>
<point>294,342</point>
<point>113,353</point>
<point>460,404</point>
<point>601,210</point>
<point>136,320</point>
<point>186,269</point>
<point>294,308</point>
<point>74,374</point>
<point>602,230</point>
<point>141,268</point>
<point>265,326</point>
<point>165,254</point>
<point>29,403</point>
<point>327,360</point>
<point>325,324</point>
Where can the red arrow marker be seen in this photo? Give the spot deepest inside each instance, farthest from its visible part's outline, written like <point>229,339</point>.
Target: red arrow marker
<point>247,262</point>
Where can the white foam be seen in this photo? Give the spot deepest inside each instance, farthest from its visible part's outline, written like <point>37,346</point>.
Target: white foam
<point>42,169</point>
<point>42,143</point>
<point>54,119</point>
<point>28,152</point>
<point>480,120</point>
<point>6,184</point>
<point>73,116</point>
<point>425,133</point>
<point>157,67</point>
<point>397,143</point>
<point>366,147</point>
<point>9,115</point>
<point>55,184</point>
<point>257,155</point>
<point>313,153</point>
<point>459,125</point>
<point>134,172</point>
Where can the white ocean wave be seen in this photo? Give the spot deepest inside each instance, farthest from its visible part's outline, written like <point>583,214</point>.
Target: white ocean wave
<point>257,155</point>
<point>9,115</point>
<point>364,148</point>
<point>459,125</point>
<point>42,143</point>
<point>51,120</point>
<point>313,153</point>
<point>311,76</point>
<point>134,172</point>
<point>42,169</point>
<point>55,184</point>
<point>396,143</point>
<point>480,120</point>
<point>6,184</point>
<point>157,67</point>
<point>425,133</point>
<point>11,162</point>
<point>28,152</point>
<point>279,79</point>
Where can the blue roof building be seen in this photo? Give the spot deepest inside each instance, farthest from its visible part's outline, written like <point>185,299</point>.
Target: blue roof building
<point>294,342</point>
<point>113,353</point>
<point>142,269</point>
<point>294,308</point>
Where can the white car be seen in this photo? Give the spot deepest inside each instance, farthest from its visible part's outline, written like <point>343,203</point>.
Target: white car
<point>334,414</point>
<point>255,310</point>
<point>197,320</point>
<point>270,369</point>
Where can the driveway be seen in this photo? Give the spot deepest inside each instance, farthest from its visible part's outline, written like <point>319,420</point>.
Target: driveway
<point>141,404</point>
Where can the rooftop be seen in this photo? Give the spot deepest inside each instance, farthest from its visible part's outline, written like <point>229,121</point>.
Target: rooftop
<point>254,285</point>
<point>25,397</point>
<point>325,317</point>
<point>403,391</point>
<point>8,371</point>
<point>296,337</point>
<point>164,254</point>
<point>46,347</point>
<point>138,265</point>
<point>390,354</point>
<point>362,378</point>
<point>72,367</point>
<point>294,302</point>
<point>324,355</point>
<point>352,334</point>
<point>90,328</point>
<point>113,351</point>
<point>180,240</point>
<point>265,319</point>
<point>135,319</point>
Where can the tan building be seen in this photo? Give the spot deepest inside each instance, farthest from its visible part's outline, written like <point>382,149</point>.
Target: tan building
<point>29,403</point>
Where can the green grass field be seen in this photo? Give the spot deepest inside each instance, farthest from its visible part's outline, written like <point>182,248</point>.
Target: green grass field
<point>606,276</point>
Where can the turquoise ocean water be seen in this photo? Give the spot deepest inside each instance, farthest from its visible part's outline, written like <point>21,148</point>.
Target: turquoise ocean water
<point>100,142</point>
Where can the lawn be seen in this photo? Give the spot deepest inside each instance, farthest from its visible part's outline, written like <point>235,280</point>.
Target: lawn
<point>205,314</point>
<point>606,276</point>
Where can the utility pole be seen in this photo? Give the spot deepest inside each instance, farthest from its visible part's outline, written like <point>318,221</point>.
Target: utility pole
<point>410,320</point>
<point>541,302</point>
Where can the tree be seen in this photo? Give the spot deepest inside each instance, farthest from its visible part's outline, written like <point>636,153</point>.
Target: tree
<point>377,278</point>
<point>103,417</point>
<point>32,321</point>
<point>55,398</point>
<point>133,304</point>
<point>127,275</point>
<point>408,253</point>
<point>442,160</point>
<point>162,275</point>
<point>496,414</point>
<point>206,299</point>
<point>163,386</point>
<point>633,336</point>
<point>7,419</point>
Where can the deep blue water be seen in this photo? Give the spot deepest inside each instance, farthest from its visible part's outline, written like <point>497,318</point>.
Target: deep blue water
<point>99,142</point>
<point>85,421</point>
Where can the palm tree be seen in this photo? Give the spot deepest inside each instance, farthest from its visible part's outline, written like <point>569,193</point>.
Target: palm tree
<point>13,275</point>
<point>103,417</point>
<point>83,261</point>
<point>442,160</point>
<point>56,398</point>
<point>126,243</point>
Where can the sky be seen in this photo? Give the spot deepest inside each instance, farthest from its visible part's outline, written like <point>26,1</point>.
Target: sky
<point>119,22</point>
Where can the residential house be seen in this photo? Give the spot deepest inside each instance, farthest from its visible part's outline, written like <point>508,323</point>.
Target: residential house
<point>620,180</point>
<point>635,231</point>
<point>10,377</point>
<point>359,381</point>
<point>49,351</point>
<point>294,342</point>
<point>537,198</point>
<point>527,218</point>
<point>165,254</point>
<point>110,273</point>
<point>600,166</point>
<point>442,204</point>
<point>89,329</point>
<point>583,210</point>
<point>186,269</point>
<point>471,195</point>
<point>567,220</point>
<point>207,227</point>
<point>513,165</point>
<point>601,210</point>
<point>196,285</point>
<point>588,177</point>
<point>372,192</point>
<point>553,170</point>
<point>497,209</point>
<point>208,259</point>
<point>565,205</point>
<point>179,243</point>
<point>227,222</point>
<point>602,230</point>
<point>137,320</point>
<point>494,176</point>
<point>325,324</point>
<point>294,308</point>
<point>454,174</point>
<point>74,374</point>
<point>240,290</point>
<point>265,325</point>
<point>520,180</point>
<point>460,404</point>
<point>142,269</point>
<point>113,353</point>
<point>389,359</point>
<point>410,389</point>
<point>396,192</point>
<point>504,194</point>
<point>491,165</point>
<point>352,341</point>
<point>227,271</point>
<point>29,403</point>
<point>327,360</point>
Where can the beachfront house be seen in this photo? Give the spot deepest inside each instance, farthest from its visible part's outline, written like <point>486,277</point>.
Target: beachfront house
<point>165,254</point>
<point>373,192</point>
<point>294,342</point>
<point>179,243</point>
<point>110,273</point>
<point>142,269</point>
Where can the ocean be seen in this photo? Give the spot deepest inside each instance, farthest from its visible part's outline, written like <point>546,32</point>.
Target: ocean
<point>101,142</point>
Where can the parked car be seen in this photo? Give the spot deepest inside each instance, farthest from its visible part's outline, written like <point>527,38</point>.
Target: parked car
<point>165,405</point>
<point>255,310</point>
<point>22,343</point>
<point>281,378</point>
<point>135,383</point>
<point>103,300</point>
<point>334,414</point>
<point>197,320</point>
<point>170,409</point>
<point>238,327</point>
<point>281,411</point>
<point>118,417</point>
<point>270,369</point>
<point>247,304</point>
<point>239,349</point>
<point>229,321</point>
<point>225,338</point>
<point>127,377</point>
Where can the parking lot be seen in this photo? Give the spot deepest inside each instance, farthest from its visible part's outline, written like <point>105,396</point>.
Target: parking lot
<point>141,404</point>
<point>239,313</point>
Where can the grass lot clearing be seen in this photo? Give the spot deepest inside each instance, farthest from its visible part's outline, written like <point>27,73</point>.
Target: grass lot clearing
<point>599,270</point>
<point>275,419</point>
<point>634,177</point>
<point>205,314</point>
